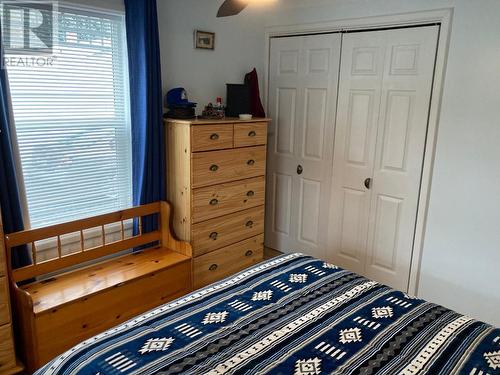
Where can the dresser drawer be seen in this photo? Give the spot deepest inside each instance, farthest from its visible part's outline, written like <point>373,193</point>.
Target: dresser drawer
<point>214,201</point>
<point>7,356</point>
<point>216,167</point>
<point>224,262</point>
<point>251,134</point>
<point>217,233</point>
<point>211,137</point>
<point>4,301</point>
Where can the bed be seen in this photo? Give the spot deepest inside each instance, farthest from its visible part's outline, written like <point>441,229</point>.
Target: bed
<point>291,315</point>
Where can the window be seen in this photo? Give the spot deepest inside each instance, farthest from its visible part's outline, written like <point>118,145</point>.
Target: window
<point>72,120</point>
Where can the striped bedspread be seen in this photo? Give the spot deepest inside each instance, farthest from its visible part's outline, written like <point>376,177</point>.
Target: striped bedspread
<point>291,315</point>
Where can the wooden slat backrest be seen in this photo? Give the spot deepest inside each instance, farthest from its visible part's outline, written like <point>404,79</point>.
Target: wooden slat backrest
<point>30,237</point>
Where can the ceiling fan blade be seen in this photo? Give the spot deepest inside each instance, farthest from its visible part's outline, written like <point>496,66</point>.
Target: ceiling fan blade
<point>231,8</point>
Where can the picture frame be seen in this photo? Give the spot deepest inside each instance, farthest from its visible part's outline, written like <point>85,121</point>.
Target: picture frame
<point>204,40</point>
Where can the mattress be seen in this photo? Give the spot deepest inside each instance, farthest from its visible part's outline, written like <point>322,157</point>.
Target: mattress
<point>291,315</point>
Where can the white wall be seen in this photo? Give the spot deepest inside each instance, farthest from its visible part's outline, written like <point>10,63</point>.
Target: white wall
<point>461,261</point>
<point>239,47</point>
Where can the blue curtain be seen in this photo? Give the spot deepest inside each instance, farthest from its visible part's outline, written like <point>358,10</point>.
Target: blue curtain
<point>148,144</point>
<point>12,215</point>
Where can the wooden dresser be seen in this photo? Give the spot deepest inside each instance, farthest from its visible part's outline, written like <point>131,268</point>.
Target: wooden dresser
<point>216,183</point>
<point>7,353</point>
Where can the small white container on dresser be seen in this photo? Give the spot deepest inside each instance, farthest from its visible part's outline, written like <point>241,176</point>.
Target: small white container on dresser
<point>216,183</point>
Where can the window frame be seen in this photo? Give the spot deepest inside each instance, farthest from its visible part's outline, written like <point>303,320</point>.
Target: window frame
<point>119,15</point>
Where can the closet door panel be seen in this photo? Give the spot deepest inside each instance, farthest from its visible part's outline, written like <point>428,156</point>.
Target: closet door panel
<point>316,106</point>
<point>355,137</point>
<point>285,106</point>
<point>406,91</point>
<point>302,102</point>
<point>384,95</point>
<point>281,202</point>
<point>352,231</point>
<point>310,212</point>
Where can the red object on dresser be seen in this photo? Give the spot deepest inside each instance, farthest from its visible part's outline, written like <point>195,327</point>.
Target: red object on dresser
<point>252,80</point>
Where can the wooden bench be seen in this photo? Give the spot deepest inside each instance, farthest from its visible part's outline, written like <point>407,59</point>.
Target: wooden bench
<point>57,312</point>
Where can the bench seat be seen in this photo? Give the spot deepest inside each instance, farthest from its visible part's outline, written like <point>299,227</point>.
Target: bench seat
<point>82,283</point>
<point>79,295</point>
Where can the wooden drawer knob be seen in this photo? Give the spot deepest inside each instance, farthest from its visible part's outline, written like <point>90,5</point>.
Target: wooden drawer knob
<point>251,193</point>
<point>249,253</point>
<point>214,235</point>
<point>214,137</point>
<point>213,267</point>
<point>214,168</point>
<point>249,223</point>
<point>252,134</point>
<point>214,202</point>
<point>251,162</point>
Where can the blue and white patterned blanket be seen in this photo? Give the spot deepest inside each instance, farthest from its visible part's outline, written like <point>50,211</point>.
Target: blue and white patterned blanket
<point>291,315</point>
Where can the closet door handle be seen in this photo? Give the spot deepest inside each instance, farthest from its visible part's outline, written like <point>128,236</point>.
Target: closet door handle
<point>300,169</point>
<point>368,183</point>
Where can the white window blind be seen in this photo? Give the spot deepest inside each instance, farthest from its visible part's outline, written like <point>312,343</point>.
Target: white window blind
<point>72,121</point>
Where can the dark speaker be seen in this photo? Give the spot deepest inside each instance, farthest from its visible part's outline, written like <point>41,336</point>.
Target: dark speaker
<point>237,100</point>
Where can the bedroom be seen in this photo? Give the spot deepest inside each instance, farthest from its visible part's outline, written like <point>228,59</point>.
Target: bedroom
<point>87,116</point>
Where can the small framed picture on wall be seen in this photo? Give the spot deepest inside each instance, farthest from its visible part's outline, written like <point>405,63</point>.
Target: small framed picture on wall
<point>204,39</point>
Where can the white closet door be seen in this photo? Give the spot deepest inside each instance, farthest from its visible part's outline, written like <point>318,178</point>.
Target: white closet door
<point>384,96</point>
<point>302,99</point>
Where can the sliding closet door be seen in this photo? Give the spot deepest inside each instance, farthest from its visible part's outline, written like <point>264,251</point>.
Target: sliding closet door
<point>302,98</point>
<point>384,95</point>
